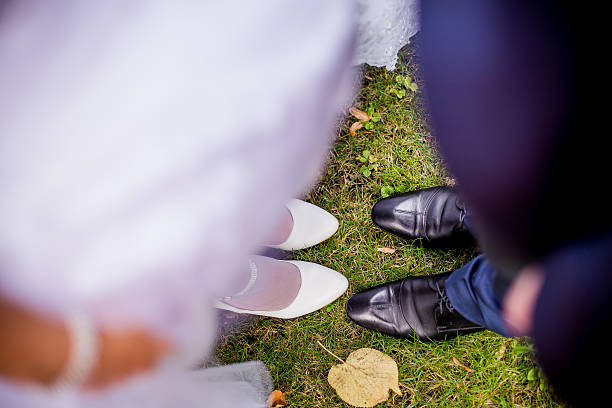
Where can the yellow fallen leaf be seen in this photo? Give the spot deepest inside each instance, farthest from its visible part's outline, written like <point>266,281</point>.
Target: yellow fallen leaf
<point>501,352</point>
<point>466,368</point>
<point>386,250</point>
<point>276,399</point>
<point>355,127</point>
<point>359,114</point>
<point>365,378</point>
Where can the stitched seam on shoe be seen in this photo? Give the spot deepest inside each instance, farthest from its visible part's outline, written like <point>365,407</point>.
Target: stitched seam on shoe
<point>379,306</point>
<point>406,211</point>
<point>437,191</point>
<point>401,308</point>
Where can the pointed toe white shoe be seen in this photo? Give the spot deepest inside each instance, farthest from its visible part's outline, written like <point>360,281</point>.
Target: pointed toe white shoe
<point>311,225</point>
<point>320,286</point>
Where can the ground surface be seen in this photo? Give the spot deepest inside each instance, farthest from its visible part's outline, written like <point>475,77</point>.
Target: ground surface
<point>402,156</point>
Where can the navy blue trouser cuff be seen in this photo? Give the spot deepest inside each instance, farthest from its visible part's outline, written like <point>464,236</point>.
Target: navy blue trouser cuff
<point>470,291</point>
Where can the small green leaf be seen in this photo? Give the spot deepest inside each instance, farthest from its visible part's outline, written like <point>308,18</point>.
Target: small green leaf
<point>532,375</point>
<point>522,349</point>
<point>365,171</point>
<point>400,93</point>
<point>386,191</point>
<point>366,154</point>
<point>368,125</point>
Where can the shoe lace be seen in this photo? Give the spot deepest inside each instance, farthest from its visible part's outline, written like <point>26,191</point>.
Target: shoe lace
<point>444,302</point>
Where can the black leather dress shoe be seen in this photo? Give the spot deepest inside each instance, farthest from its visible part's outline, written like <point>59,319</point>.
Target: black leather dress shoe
<point>411,307</point>
<point>436,215</point>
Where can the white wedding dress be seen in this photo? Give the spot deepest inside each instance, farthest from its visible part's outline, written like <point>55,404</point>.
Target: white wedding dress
<point>146,150</point>
<point>383,28</point>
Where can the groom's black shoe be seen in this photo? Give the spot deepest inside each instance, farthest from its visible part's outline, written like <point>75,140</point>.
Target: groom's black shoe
<point>436,215</point>
<point>411,307</point>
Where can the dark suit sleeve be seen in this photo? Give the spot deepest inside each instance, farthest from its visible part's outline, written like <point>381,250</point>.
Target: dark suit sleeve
<point>517,93</point>
<point>507,87</point>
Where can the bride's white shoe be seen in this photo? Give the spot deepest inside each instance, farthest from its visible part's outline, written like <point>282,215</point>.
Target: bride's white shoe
<point>311,225</point>
<point>320,286</point>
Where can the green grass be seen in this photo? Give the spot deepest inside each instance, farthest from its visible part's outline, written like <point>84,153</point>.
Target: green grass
<point>407,159</point>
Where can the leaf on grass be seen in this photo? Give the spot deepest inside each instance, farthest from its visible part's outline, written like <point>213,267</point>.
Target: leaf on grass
<point>466,368</point>
<point>355,127</point>
<point>365,170</point>
<point>386,191</point>
<point>532,375</point>
<point>386,250</point>
<point>359,114</point>
<point>365,378</point>
<point>276,399</point>
<point>501,352</point>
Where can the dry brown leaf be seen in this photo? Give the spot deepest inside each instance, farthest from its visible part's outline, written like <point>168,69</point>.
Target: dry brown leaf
<point>386,250</point>
<point>501,352</point>
<point>355,127</point>
<point>359,114</point>
<point>466,368</point>
<point>276,399</point>
<point>365,378</point>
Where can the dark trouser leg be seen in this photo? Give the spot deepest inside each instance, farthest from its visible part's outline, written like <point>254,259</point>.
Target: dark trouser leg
<point>471,291</point>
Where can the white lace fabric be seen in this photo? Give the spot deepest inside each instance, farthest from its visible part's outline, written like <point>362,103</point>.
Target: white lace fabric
<point>383,28</point>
